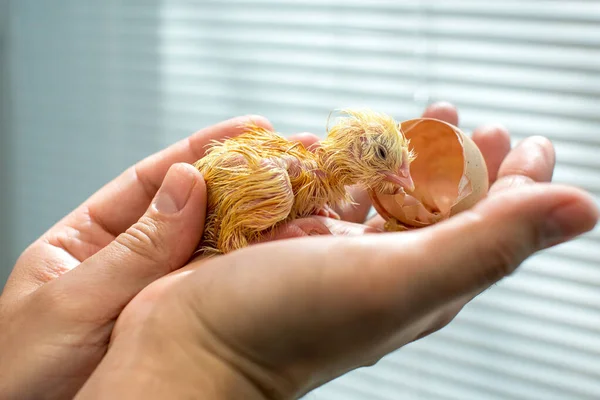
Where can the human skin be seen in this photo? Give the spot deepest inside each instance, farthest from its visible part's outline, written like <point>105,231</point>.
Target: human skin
<point>61,301</point>
<point>67,289</point>
<point>276,320</point>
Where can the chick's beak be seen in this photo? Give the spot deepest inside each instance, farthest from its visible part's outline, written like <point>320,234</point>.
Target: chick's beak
<point>405,182</point>
<point>401,178</point>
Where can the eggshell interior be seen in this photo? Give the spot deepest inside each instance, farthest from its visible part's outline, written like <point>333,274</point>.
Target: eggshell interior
<point>449,173</point>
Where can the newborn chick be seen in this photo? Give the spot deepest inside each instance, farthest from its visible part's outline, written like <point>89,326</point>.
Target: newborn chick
<point>259,179</point>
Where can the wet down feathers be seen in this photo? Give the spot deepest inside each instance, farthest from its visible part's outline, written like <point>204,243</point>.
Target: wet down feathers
<point>259,179</point>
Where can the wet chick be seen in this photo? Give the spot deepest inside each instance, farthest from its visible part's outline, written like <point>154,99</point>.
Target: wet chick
<point>258,180</point>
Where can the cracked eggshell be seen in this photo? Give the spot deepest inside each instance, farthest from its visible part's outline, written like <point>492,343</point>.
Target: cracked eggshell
<point>449,173</point>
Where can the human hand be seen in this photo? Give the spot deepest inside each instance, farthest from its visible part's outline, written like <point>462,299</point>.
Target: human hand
<point>67,289</point>
<point>276,320</point>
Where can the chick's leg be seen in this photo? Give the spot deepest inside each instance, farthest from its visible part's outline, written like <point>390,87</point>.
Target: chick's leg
<point>252,205</point>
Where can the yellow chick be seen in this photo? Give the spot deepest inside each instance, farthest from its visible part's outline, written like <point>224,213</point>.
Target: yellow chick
<point>259,179</point>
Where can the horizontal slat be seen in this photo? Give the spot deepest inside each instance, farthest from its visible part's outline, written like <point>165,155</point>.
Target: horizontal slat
<point>470,367</point>
<point>521,101</point>
<point>514,77</point>
<point>585,298</point>
<point>544,57</point>
<point>580,321</point>
<point>545,329</point>
<point>518,370</point>
<point>523,124</point>
<point>484,27</point>
<point>548,10</point>
<point>549,56</point>
<point>347,391</point>
<point>304,100</point>
<point>584,249</point>
<point>565,269</point>
<point>254,66</point>
<point>580,174</point>
<point>408,384</point>
<point>577,176</point>
<point>535,351</point>
<point>578,155</point>
<point>452,377</point>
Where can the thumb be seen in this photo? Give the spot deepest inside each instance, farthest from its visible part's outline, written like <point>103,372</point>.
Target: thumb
<point>337,303</point>
<point>475,249</point>
<point>161,241</point>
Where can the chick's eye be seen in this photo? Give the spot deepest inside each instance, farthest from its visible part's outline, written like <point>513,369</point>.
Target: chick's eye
<point>381,152</point>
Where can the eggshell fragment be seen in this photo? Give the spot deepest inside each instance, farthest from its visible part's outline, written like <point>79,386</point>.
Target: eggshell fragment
<point>449,173</point>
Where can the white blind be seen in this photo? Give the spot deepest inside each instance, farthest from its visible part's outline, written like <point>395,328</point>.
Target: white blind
<point>98,85</point>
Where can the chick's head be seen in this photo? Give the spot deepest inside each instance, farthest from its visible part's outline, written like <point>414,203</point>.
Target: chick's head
<point>370,148</point>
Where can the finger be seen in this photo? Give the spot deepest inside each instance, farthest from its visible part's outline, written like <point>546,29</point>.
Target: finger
<point>531,161</point>
<point>494,143</point>
<point>357,212</point>
<point>316,226</point>
<point>307,139</point>
<point>443,111</point>
<point>161,241</point>
<point>119,204</point>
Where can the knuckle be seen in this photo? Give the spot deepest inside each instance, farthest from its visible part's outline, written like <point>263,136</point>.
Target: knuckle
<point>439,319</point>
<point>371,362</point>
<point>144,239</point>
<point>501,257</point>
<point>498,246</point>
<point>497,252</point>
<point>518,171</point>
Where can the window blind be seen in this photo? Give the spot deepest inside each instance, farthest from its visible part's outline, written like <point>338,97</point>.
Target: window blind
<point>97,85</point>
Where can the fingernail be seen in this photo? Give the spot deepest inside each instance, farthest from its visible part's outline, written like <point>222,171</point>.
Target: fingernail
<point>175,190</point>
<point>514,181</point>
<point>564,223</point>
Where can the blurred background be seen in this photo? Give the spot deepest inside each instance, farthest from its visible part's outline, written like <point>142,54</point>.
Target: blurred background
<point>90,87</point>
